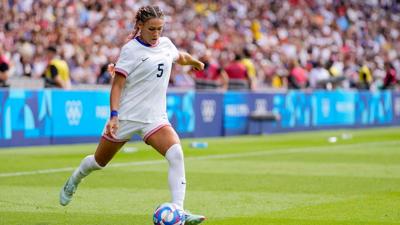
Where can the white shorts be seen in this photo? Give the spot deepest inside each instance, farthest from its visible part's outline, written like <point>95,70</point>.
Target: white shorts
<point>128,128</point>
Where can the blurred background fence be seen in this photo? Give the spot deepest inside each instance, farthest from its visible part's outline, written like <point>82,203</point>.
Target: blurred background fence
<point>52,116</point>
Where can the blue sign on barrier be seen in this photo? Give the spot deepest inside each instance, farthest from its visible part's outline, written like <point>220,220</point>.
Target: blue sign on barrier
<point>236,112</point>
<point>294,109</point>
<point>208,108</point>
<point>25,118</point>
<point>79,113</point>
<point>261,103</point>
<point>58,116</point>
<point>3,126</point>
<point>373,108</point>
<point>333,108</point>
<point>181,112</point>
<point>396,108</point>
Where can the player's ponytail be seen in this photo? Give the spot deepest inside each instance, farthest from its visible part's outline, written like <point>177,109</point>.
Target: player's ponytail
<point>133,34</point>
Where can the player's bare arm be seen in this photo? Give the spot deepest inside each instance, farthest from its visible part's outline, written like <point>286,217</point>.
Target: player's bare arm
<point>116,89</point>
<point>187,59</point>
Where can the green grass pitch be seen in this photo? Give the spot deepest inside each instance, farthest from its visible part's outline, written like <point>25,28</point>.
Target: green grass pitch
<point>292,179</point>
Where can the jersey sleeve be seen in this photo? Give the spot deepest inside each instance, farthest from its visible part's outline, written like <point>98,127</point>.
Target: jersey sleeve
<point>174,50</point>
<point>124,65</point>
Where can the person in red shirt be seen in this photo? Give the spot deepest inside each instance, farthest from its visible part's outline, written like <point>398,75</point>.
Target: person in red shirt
<point>212,77</point>
<point>390,80</point>
<point>298,77</point>
<point>238,76</point>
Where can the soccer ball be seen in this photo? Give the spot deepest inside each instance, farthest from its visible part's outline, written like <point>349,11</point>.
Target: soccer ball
<point>168,214</point>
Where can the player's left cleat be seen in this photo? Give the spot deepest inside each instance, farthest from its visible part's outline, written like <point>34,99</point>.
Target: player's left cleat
<point>192,219</point>
<point>67,192</point>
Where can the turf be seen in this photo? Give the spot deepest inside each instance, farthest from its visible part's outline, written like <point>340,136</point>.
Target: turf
<point>292,179</point>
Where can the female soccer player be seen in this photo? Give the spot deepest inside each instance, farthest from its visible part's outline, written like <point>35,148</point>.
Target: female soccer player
<point>138,105</point>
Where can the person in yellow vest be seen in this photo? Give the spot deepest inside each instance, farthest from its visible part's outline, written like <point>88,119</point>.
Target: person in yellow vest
<point>365,79</point>
<point>250,68</point>
<point>56,74</point>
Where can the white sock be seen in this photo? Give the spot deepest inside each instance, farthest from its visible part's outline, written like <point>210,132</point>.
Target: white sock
<point>176,174</point>
<point>88,164</point>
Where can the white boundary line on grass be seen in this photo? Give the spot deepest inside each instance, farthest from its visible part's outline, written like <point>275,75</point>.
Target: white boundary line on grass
<point>220,156</point>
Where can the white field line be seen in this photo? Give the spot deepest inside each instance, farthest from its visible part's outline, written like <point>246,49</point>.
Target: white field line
<point>220,156</point>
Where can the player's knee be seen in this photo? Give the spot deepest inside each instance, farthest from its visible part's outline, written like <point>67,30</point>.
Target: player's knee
<point>174,153</point>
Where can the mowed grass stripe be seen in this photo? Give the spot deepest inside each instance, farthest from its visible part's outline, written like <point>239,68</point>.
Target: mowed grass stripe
<point>67,218</point>
<point>380,207</point>
<point>118,200</point>
<point>263,220</point>
<point>229,181</point>
<point>301,168</point>
<point>281,167</point>
<point>218,156</point>
<point>292,184</point>
<point>124,201</point>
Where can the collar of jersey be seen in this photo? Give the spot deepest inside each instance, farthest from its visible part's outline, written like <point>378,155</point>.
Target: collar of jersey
<point>144,43</point>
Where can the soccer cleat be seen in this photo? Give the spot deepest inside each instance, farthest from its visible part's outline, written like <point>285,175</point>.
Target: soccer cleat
<point>67,192</point>
<point>192,219</point>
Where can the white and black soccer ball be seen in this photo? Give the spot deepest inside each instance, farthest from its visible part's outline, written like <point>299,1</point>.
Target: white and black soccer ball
<point>168,214</point>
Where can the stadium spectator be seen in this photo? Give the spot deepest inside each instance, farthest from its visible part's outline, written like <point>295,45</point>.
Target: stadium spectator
<point>237,75</point>
<point>350,72</point>
<point>365,79</point>
<point>26,54</point>
<point>57,71</point>
<point>277,30</point>
<point>298,76</point>
<point>335,68</point>
<point>139,91</point>
<point>105,76</point>
<point>4,68</point>
<point>250,67</point>
<point>212,77</point>
<point>390,80</point>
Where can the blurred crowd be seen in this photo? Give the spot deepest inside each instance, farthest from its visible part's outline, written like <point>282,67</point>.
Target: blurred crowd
<point>252,44</point>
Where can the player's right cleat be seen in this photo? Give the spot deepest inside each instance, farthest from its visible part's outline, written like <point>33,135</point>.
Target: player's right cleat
<point>192,219</point>
<point>67,192</point>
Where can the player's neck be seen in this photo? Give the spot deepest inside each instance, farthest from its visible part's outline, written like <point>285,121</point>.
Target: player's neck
<point>143,42</point>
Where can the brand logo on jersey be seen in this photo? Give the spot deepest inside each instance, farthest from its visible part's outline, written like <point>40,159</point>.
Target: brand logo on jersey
<point>144,58</point>
<point>73,111</point>
<point>208,108</point>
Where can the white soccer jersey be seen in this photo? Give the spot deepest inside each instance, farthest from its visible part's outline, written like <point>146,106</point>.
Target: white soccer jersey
<point>147,70</point>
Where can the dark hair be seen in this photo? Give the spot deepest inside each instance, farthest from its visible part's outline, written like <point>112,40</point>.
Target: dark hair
<point>238,57</point>
<point>247,53</point>
<point>52,49</point>
<point>144,14</point>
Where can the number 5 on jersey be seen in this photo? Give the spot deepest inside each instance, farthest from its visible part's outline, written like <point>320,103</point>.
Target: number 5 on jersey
<point>160,69</point>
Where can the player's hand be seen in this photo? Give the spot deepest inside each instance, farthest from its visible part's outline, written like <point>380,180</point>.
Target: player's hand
<point>198,66</point>
<point>111,69</point>
<point>112,127</point>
